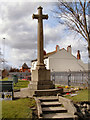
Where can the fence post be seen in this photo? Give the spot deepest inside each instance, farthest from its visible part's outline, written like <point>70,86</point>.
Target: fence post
<point>53,77</point>
<point>69,79</point>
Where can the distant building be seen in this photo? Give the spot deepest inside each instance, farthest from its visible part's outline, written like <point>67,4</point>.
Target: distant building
<point>25,68</point>
<point>5,73</point>
<point>62,60</point>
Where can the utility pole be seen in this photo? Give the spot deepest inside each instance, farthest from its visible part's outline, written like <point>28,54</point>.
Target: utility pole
<point>3,52</point>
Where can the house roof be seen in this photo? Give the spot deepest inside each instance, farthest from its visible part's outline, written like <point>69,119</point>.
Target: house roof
<point>25,66</point>
<point>48,54</point>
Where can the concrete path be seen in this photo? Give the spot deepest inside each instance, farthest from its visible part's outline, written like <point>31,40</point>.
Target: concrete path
<point>17,95</point>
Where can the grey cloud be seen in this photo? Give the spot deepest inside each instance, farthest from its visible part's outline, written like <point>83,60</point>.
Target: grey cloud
<point>17,11</point>
<point>20,42</point>
<point>18,57</point>
<point>24,45</point>
<point>21,35</point>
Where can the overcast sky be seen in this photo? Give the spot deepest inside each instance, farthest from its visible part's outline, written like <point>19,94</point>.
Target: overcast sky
<point>20,33</point>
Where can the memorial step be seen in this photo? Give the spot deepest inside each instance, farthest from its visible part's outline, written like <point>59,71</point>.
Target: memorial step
<point>48,92</point>
<point>51,109</point>
<point>50,104</point>
<point>48,99</point>
<point>60,116</point>
<point>57,109</point>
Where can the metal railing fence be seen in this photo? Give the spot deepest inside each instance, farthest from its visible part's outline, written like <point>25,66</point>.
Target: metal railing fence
<point>70,78</point>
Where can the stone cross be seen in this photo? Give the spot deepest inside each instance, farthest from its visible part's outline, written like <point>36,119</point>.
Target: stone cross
<point>40,57</point>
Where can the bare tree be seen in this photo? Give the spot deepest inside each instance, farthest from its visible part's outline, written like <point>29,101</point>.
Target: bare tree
<point>75,15</point>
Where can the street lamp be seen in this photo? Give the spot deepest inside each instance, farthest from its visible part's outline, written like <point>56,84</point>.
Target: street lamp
<point>3,51</point>
<point>3,56</point>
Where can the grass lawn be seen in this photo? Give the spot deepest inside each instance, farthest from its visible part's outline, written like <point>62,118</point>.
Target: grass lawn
<point>20,108</point>
<point>4,79</point>
<point>82,95</point>
<point>21,84</point>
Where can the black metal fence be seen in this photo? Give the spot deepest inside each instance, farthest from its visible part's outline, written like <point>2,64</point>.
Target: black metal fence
<point>70,78</point>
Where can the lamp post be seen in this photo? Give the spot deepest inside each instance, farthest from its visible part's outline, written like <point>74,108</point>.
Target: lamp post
<point>3,51</point>
<point>3,56</point>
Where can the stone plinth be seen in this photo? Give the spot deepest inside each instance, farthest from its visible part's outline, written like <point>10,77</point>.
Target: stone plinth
<point>40,75</point>
<point>40,81</point>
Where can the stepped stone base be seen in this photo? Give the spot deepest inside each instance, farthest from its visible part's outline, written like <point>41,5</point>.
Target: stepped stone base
<point>41,85</point>
<point>48,92</point>
<point>26,92</point>
<point>40,81</point>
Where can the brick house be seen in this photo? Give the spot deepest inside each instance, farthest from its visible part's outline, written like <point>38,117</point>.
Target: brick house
<point>25,68</point>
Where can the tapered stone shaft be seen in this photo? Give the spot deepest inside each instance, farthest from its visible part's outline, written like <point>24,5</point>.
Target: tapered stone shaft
<point>40,51</point>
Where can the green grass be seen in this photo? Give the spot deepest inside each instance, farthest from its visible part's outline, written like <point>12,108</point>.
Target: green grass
<point>4,79</point>
<point>82,95</point>
<point>21,84</point>
<point>20,108</point>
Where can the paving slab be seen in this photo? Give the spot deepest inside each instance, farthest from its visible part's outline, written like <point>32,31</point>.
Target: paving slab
<point>17,94</point>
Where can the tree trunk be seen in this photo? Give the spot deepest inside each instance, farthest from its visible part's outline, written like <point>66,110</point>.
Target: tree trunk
<point>89,69</point>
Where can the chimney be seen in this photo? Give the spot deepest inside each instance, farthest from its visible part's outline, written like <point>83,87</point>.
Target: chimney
<point>44,52</point>
<point>78,55</point>
<point>57,48</point>
<point>69,49</point>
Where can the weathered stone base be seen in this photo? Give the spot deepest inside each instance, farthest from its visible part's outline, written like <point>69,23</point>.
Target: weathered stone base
<point>48,92</point>
<point>40,74</point>
<point>41,85</point>
<point>27,92</point>
<point>40,81</point>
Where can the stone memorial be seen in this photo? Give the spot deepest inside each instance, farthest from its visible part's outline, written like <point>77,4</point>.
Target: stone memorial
<point>40,76</point>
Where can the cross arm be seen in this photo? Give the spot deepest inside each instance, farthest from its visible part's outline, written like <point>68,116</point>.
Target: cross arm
<point>35,16</point>
<point>44,16</point>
